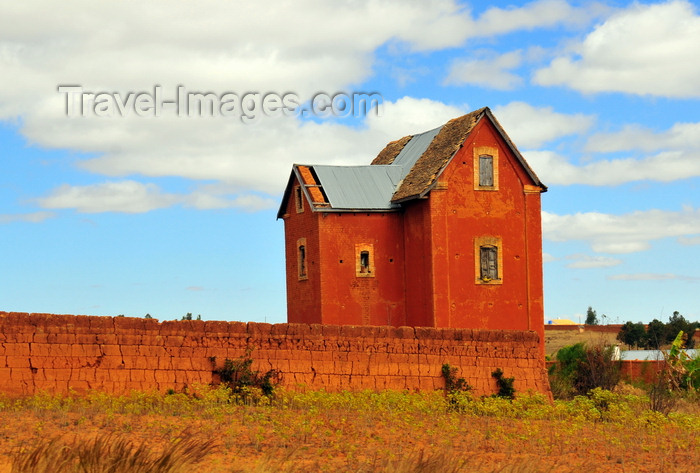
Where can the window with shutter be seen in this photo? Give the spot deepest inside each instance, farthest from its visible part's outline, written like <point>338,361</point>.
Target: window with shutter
<point>489,263</point>
<point>488,260</point>
<point>486,171</point>
<point>485,168</point>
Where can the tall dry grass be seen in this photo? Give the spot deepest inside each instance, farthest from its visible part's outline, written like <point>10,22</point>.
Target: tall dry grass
<point>110,453</point>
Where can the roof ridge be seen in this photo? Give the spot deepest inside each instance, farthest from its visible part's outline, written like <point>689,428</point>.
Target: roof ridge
<point>439,152</point>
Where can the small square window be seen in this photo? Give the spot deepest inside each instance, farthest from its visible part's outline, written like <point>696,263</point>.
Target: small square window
<point>364,262</point>
<point>364,266</point>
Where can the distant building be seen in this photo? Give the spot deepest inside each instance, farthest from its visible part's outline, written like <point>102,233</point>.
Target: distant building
<point>442,230</point>
<point>561,322</point>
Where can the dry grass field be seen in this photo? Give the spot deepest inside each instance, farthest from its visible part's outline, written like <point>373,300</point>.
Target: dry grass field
<point>556,339</point>
<point>393,432</point>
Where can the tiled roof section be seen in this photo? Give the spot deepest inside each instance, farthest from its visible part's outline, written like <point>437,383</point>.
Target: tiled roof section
<point>439,152</point>
<point>390,151</point>
<point>317,197</point>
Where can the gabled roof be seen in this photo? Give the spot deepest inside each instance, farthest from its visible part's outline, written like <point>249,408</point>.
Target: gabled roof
<point>404,170</point>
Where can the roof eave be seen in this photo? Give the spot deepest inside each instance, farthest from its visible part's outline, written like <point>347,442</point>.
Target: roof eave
<point>287,191</point>
<point>285,196</point>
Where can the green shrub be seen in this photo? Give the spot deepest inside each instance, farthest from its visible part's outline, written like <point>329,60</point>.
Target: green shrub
<point>245,383</point>
<point>505,385</point>
<point>580,368</point>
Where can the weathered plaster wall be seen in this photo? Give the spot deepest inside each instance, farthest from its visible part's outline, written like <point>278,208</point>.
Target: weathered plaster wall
<point>61,352</point>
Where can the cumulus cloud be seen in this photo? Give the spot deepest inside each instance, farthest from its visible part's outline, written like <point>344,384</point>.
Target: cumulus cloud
<point>531,127</point>
<point>627,233</point>
<point>643,49</point>
<point>582,261</point>
<point>130,196</point>
<point>547,258</point>
<point>255,157</point>
<point>681,136</point>
<point>124,196</point>
<point>491,72</point>
<point>688,241</point>
<point>538,14</point>
<point>133,49</point>
<point>666,166</point>
<point>33,217</point>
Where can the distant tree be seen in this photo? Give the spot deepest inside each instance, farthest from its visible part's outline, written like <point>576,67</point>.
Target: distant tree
<point>632,334</point>
<point>591,316</point>
<point>199,316</point>
<point>678,323</point>
<point>656,334</point>
<point>147,316</point>
<point>187,316</point>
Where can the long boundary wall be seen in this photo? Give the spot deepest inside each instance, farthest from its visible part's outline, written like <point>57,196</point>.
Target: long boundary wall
<point>57,353</point>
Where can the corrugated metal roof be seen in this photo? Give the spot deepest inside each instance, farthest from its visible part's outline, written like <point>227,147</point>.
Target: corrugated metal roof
<point>414,149</point>
<point>652,355</point>
<point>360,187</point>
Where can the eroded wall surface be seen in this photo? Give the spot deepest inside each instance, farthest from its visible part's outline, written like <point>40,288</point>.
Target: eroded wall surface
<point>118,354</point>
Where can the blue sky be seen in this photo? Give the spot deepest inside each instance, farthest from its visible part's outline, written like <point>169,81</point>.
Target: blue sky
<point>129,214</point>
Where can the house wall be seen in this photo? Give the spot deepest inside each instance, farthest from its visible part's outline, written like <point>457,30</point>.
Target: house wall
<point>375,298</point>
<point>460,214</point>
<point>303,296</point>
<point>58,353</point>
<point>419,265</point>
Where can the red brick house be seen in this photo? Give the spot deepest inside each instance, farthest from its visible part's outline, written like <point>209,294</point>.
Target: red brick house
<point>441,230</point>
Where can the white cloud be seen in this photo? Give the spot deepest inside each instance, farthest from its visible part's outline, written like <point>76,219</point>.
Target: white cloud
<point>108,47</point>
<point>664,167</point>
<point>492,73</point>
<point>689,241</point>
<point>625,233</point>
<point>135,197</point>
<point>255,157</point>
<point>582,261</point>
<point>681,136</point>
<point>538,14</point>
<point>531,127</point>
<point>124,196</point>
<point>652,277</point>
<point>644,49</point>
<point>33,217</point>
<point>547,258</point>
<point>208,44</point>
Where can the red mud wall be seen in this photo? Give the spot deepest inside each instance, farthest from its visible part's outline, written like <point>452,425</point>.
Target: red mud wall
<point>612,328</point>
<point>58,352</point>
